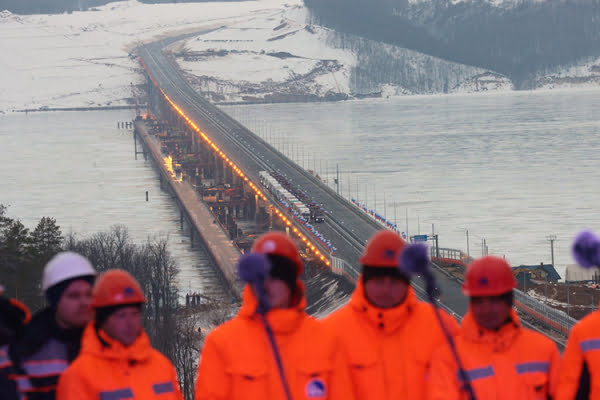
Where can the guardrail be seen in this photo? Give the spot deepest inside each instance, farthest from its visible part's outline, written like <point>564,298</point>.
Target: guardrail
<point>450,256</point>
<point>551,317</point>
<point>342,267</point>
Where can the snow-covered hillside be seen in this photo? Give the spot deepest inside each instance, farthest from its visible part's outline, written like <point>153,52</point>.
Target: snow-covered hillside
<point>274,56</point>
<point>257,50</point>
<point>280,57</point>
<point>84,58</point>
<point>584,74</point>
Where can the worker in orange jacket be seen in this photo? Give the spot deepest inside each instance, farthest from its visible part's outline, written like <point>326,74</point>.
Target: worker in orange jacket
<point>499,358</point>
<point>580,368</point>
<point>239,361</point>
<point>388,335</point>
<point>116,359</point>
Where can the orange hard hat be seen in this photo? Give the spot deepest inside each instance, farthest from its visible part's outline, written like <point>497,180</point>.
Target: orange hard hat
<point>279,244</point>
<point>116,287</point>
<point>489,276</point>
<point>383,250</point>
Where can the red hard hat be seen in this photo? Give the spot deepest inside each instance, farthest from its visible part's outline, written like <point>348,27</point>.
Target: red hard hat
<point>383,250</point>
<point>279,244</point>
<point>489,276</point>
<point>116,287</point>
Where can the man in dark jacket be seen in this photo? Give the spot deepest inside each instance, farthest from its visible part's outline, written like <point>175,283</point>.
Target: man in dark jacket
<point>14,316</point>
<point>52,339</point>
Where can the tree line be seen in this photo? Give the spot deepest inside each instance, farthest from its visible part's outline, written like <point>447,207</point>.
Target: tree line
<point>172,330</point>
<point>519,41</point>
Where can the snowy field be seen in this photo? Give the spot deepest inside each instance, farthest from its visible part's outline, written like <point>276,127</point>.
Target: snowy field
<point>84,58</point>
<point>265,50</point>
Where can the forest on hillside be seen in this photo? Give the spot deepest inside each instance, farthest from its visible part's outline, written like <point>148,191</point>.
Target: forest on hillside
<point>518,41</point>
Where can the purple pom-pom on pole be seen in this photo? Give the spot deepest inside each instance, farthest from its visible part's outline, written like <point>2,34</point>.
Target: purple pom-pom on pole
<point>414,259</point>
<point>586,249</point>
<point>253,267</point>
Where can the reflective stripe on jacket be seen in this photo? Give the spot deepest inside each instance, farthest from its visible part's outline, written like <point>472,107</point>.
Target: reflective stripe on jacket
<point>580,369</point>
<point>35,361</point>
<point>115,372</point>
<point>389,350</point>
<point>237,362</point>
<point>512,363</point>
<point>8,387</point>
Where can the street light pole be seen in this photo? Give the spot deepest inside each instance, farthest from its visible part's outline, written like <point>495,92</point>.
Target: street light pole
<point>468,255</point>
<point>551,239</point>
<point>337,178</point>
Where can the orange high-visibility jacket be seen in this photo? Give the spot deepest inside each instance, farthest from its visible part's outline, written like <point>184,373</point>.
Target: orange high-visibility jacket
<point>389,350</point>
<point>580,368</point>
<point>512,363</point>
<point>237,362</point>
<point>115,372</point>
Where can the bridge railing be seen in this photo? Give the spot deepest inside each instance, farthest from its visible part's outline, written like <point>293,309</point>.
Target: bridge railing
<point>446,255</point>
<point>342,267</point>
<point>551,317</point>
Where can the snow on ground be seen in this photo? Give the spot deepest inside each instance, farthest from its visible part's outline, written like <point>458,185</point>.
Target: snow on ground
<point>257,50</point>
<point>584,74</point>
<point>285,58</point>
<point>270,53</point>
<point>83,58</point>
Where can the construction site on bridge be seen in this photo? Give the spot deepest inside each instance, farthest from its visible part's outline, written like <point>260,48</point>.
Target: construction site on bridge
<point>236,206</point>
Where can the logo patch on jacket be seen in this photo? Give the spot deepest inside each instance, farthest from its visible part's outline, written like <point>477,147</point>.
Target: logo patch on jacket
<point>315,388</point>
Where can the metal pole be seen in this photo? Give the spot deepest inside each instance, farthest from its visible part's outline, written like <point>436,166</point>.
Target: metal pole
<point>568,299</point>
<point>468,255</point>
<point>349,184</point>
<point>375,198</point>
<point>337,178</point>
<point>384,207</point>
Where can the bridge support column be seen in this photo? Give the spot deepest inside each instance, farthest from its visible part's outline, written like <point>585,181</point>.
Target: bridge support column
<point>228,173</point>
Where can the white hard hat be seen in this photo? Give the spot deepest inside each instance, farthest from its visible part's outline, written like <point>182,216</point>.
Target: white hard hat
<point>64,266</point>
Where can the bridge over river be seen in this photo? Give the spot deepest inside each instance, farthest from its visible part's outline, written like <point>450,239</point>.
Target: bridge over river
<point>239,155</point>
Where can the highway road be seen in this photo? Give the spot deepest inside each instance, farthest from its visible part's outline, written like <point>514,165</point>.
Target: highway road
<point>346,226</point>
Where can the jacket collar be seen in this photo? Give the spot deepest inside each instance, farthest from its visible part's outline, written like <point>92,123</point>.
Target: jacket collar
<point>140,349</point>
<point>500,340</point>
<point>282,320</point>
<point>387,320</point>
<point>40,330</point>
